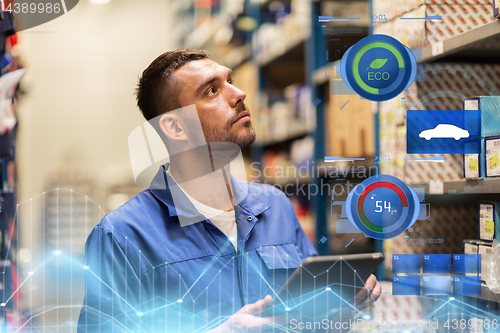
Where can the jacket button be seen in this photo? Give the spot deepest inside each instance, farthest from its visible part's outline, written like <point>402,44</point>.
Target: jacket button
<point>249,218</point>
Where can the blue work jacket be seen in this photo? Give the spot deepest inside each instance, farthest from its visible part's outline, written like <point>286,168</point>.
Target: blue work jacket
<point>147,273</point>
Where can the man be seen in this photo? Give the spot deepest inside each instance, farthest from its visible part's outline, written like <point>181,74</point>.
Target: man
<point>198,251</point>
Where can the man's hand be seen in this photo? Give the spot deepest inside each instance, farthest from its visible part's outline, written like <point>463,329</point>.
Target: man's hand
<point>368,294</point>
<point>246,321</point>
<point>363,299</point>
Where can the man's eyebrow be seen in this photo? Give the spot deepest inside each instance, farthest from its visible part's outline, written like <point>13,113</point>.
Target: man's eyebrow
<point>204,84</point>
<point>210,81</point>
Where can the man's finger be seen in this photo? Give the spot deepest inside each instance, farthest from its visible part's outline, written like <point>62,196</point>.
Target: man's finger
<point>257,306</point>
<point>368,290</point>
<point>371,282</point>
<point>377,291</point>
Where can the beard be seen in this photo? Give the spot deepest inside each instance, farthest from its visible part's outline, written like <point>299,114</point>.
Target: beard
<point>244,137</point>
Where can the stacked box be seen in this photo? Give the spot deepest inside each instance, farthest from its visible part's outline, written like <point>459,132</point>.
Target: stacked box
<point>496,219</point>
<point>396,8</point>
<point>350,129</point>
<point>446,82</point>
<point>474,167</point>
<point>490,115</point>
<point>486,221</point>
<point>486,162</point>
<point>485,250</point>
<point>472,246</point>
<point>444,88</point>
<point>489,229</point>
<point>492,156</point>
<point>414,31</point>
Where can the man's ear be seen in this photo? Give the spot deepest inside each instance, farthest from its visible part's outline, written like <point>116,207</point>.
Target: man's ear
<point>172,126</point>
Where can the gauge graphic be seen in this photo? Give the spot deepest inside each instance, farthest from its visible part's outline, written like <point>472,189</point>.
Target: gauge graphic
<point>382,207</point>
<point>378,67</point>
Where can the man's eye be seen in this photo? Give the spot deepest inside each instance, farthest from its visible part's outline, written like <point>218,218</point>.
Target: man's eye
<point>211,91</point>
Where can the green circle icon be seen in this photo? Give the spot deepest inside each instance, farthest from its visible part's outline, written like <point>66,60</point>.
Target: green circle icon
<point>366,48</point>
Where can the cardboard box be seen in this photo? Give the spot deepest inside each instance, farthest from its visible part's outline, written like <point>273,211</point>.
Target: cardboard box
<point>496,219</point>
<point>485,251</point>
<point>492,156</point>
<point>474,166</point>
<point>486,221</point>
<point>490,113</point>
<point>349,127</point>
<point>470,247</point>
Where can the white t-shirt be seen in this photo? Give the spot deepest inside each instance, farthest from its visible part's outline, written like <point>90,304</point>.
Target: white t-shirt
<point>224,220</point>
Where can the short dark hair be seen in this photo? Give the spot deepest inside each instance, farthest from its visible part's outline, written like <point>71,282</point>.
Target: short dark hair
<point>156,90</point>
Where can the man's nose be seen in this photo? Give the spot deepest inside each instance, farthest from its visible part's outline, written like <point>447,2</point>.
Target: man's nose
<point>237,96</point>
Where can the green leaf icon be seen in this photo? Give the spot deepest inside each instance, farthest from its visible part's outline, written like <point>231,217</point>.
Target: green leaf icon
<point>378,63</point>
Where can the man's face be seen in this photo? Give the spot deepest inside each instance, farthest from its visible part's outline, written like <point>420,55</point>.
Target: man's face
<point>220,105</point>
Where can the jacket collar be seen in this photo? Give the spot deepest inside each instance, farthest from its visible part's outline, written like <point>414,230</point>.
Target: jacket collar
<point>245,196</point>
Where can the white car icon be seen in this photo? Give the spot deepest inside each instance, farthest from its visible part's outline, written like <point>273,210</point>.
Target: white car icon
<point>444,131</point>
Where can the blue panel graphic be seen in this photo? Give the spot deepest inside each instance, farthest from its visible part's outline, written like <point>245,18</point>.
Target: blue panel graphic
<point>405,263</point>
<point>436,263</point>
<point>406,285</point>
<point>467,263</point>
<point>467,285</point>
<point>437,285</point>
<point>443,131</point>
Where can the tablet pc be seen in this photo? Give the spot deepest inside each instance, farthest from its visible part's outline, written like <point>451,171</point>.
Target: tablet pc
<point>321,286</point>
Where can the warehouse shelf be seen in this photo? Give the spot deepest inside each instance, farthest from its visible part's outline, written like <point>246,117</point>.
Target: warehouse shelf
<point>479,42</point>
<point>237,57</point>
<point>476,186</point>
<point>350,169</point>
<point>201,35</point>
<point>319,76</point>
<point>290,181</point>
<point>281,47</point>
<point>467,186</point>
<point>293,132</point>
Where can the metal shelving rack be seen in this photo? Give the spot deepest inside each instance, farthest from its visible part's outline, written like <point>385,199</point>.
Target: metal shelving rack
<point>480,186</point>
<point>476,45</point>
<point>479,44</point>
<point>314,59</point>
